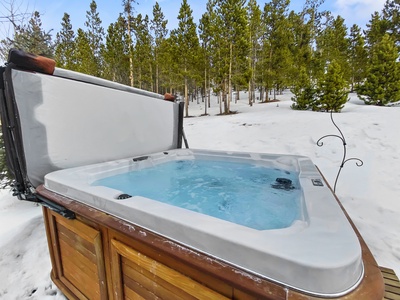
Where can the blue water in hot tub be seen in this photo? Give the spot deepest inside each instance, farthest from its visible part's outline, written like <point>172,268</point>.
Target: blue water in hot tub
<point>241,193</point>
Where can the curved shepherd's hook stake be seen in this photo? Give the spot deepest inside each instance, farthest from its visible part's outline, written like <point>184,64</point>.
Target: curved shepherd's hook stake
<point>359,162</point>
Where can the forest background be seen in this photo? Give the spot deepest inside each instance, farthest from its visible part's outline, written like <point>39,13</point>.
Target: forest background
<point>236,45</point>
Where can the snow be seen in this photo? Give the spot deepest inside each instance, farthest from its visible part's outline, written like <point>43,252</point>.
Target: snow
<point>370,194</point>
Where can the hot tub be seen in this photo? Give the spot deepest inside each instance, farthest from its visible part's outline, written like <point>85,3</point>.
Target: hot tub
<point>317,252</point>
<point>69,151</point>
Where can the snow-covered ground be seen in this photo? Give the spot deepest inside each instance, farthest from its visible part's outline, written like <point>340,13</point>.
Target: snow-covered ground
<point>370,194</point>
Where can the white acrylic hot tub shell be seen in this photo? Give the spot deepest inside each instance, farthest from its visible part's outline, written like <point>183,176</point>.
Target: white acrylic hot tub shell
<point>319,255</point>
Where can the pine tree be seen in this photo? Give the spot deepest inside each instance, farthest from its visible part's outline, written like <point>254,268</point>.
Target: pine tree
<point>95,37</point>
<point>5,175</point>
<point>32,38</point>
<point>358,57</point>
<point>304,90</point>
<point>254,19</point>
<point>300,77</point>
<point>206,28</point>
<point>186,46</point>
<point>382,84</point>
<point>160,31</point>
<point>234,46</point>
<point>332,89</point>
<point>332,44</point>
<point>84,56</point>
<point>170,73</point>
<point>277,38</point>
<point>143,52</point>
<point>128,13</point>
<point>376,29</point>
<point>304,28</point>
<point>65,45</point>
<point>116,53</point>
<point>391,14</point>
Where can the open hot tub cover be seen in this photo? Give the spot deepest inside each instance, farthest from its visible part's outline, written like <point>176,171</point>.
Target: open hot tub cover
<point>68,119</point>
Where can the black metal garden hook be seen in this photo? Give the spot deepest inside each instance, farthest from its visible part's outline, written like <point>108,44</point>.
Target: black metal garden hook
<point>359,162</point>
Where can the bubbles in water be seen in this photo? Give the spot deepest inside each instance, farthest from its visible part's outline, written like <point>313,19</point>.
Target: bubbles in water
<point>237,192</point>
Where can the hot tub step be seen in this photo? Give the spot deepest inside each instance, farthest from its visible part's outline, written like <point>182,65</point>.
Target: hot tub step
<point>392,284</point>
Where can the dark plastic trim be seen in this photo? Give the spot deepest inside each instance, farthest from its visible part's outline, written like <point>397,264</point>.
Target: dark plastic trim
<point>61,210</point>
<point>181,133</point>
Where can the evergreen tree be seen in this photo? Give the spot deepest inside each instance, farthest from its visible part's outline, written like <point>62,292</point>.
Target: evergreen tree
<point>65,45</point>
<point>5,175</point>
<point>95,37</point>
<point>333,89</point>
<point>32,38</point>
<point>159,28</point>
<point>302,53</point>
<point>304,27</point>
<point>233,42</point>
<point>376,29</point>
<point>206,28</point>
<point>170,73</point>
<point>143,52</point>
<point>391,14</point>
<point>186,48</point>
<point>332,44</point>
<point>84,56</point>
<point>358,57</point>
<point>254,19</point>
<point>277,40</point>
<point>304,90</point>
<point>128,13</point>
<point>116,53</point>
<point>382,84</point>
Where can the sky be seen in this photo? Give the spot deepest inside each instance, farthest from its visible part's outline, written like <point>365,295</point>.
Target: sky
<point>353,11</point>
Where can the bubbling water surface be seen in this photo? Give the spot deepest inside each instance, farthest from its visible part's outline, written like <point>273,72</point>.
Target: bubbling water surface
<point>241,193</point>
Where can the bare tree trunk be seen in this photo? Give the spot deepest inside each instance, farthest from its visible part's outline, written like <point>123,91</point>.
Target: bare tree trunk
<point>197,94</point>
<point>209,93</point>
<point>157,71</point>
<point>225,97</point>
<point>151,78</point>
<point>130,55</point>
<point>230,80</point>
<point>140,77</point>
<point>220,103</point>
<point>205,91</point>
<point>186,97</point>
<point>250,94</point>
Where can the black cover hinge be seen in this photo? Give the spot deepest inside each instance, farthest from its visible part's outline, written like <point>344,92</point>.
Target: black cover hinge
<point>61,210</point>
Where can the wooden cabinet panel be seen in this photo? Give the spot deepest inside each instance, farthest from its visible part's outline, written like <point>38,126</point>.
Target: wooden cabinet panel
<point>136,273</point>
<point>90,261</point>
<point>77,255</point>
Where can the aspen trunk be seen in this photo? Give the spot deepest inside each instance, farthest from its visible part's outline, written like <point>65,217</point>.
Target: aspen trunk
<point>130,55</point>
<point>220,103</point>
<point>186,98</point>
<point>205,91</point>
<point>209,93</point>
<point>230,80</point>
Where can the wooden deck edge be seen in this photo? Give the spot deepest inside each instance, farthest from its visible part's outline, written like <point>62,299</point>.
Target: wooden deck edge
<point>392,284</point>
